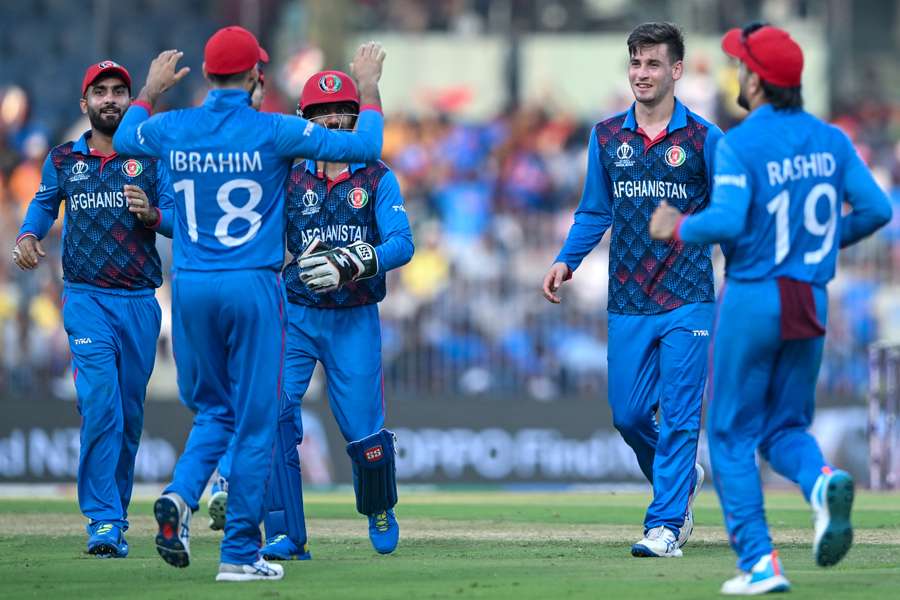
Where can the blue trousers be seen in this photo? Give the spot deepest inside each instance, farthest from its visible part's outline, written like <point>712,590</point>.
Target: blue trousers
<point>347,341</point>
<point>112,336</point>
<point>763,394</point>
<point>659,363</point>
<point>228,338</point>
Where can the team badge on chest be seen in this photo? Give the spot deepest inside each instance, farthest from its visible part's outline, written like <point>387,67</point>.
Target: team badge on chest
<point>132,168</point>
<point>358,197</point>
<point>675,156</point>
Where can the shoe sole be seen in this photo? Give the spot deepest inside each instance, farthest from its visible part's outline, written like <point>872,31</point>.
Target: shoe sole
<point>217,506</point>
<point>773,585</point>
<point>282,557</point>
<point>642,551</point>
<point>168,544</point>
<point>838,535</point>
<point>246,577</point>
<point>104,550</point>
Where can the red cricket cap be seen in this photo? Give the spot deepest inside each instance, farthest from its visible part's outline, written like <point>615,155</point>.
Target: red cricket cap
<point>104,67</point>
<point>769,52</point>
<point>233,50</point>
<point>328,86</point>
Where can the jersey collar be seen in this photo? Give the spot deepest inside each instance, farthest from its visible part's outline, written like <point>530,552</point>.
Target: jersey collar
<point>81,145</point>
<point>678,120</point>
<point>223,98</point>
<point>311,166</point>
<point>760,111</point>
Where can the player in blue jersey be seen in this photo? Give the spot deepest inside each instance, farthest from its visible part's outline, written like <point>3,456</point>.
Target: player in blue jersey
<point>660,294</point>
<point>782,178</point>
<point>230,164</point>
<point>357,210</point>
<point>114,204</point>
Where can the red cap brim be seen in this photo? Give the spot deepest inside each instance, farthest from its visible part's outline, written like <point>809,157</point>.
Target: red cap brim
<point>263,55</point>
<point>732,44</point>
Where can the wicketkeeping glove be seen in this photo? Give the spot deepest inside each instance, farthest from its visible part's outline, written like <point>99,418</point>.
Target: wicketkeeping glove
<point>328,270</point>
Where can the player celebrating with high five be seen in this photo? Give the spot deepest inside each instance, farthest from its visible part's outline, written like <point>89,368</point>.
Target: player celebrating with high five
<point>347,225</point>
<point>782,178</point>
<point>660,294</point>
<point>230,164</point>
<point>114,205</point>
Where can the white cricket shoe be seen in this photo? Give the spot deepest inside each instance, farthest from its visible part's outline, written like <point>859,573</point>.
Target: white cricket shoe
<point>173,516</point>
<point>258,571</point>
<point>765,576</point>
<point>687,529</point>
<point>832,501</point>
<point>659,542</point>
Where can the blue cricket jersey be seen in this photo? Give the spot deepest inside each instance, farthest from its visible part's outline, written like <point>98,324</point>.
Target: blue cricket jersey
<point>781,179</point>
<point>229,165</point>
<point>103,244</point>
<point>365,204</point>
<point>628,175</point>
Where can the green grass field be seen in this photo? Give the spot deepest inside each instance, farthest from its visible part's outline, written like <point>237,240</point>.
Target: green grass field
<point>453,545</point>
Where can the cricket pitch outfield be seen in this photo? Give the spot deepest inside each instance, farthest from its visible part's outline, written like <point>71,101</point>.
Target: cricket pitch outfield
<point>484,544</point>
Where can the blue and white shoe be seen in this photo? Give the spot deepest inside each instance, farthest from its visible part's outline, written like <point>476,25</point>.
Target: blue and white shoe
<point>658,542</point>
<point>106,540</point>
<point>173,516</point>
<point>832,501</point>
<point>258,571</point>
<point>384,531</point>
<point>281,547</point>
<point>765,576</point>
<point>684,534</point>
<point>218,504</point>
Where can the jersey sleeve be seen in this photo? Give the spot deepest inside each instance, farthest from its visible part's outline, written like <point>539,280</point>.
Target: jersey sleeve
<point>871,208</point>
<point>593,215</point>
<point>295,137</point>
<point>139,134</point>
<point>44,207</point>
<point>396,247</point>
<point>713,136</point>
<point>726,215</point>
<point>164,201</point>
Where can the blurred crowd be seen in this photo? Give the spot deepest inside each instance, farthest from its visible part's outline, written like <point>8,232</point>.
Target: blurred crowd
<point>490,204</point>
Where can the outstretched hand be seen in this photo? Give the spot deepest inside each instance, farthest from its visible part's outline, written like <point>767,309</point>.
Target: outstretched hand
<point>162,75</point>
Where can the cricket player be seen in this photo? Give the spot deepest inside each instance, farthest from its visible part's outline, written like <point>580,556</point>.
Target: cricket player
<point>114,205</point>
<point>348,225</point>
<point>782,178</point>
<point>230,164</point>
<point>660,293</point>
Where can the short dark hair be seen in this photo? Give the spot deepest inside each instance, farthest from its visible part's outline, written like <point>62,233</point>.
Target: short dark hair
<point>783,98</point>
<point>229,79</point>
<point>653,34</point>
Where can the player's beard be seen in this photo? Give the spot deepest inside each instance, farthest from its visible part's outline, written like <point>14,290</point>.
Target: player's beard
<point>105,123</point>
<point>742,100</point>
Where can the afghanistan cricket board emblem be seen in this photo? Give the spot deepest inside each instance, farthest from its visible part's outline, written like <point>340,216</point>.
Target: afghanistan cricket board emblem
<point>132,167</point>
<point>330,84</point>
<point>675,156</point>
<point>358,197</point>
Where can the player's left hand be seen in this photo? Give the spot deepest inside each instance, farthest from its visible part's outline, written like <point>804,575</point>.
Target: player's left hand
<point>329,270</point>
<point>664,221</point>
<point>139,205</point>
